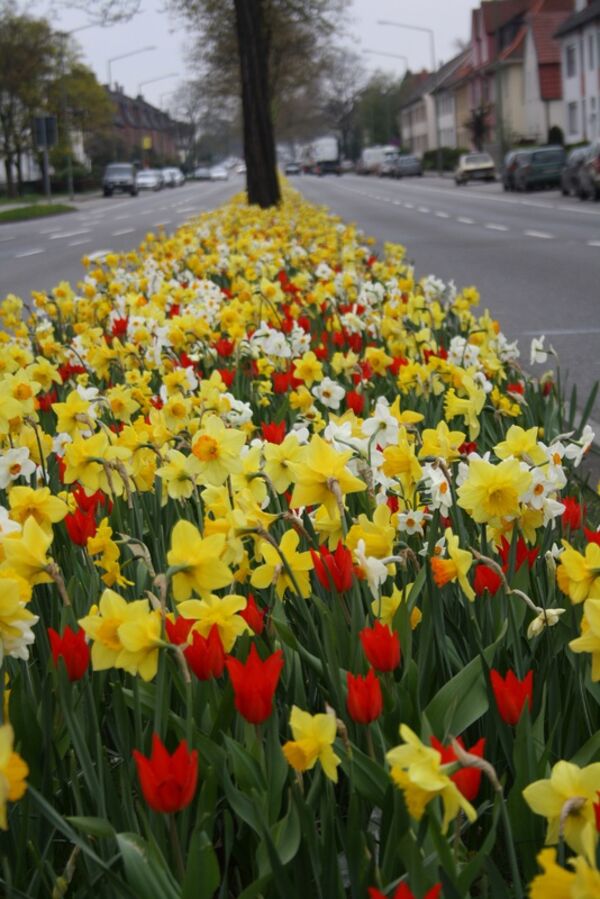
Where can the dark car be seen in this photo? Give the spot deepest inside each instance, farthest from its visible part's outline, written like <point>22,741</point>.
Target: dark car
<point>119,176</point>
<point>407,166</point>
<point>292,168</point>
<point>589,173</point>
<point>540,167</point>
<point>510,166</point>
<point>569,177</point>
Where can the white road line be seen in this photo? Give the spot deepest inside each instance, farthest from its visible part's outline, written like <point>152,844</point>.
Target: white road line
<point>590,243</point>
<point>409,205</point>
<point>28,253</point>
<point>396,202</point>
<point>122,232</point>
<point>442,215</point>
<point>98,254</point>
<point>535,203</point>
<point>4,239</point>
<point>542,235</point>
<point>563,332</point>
<point>78,243</point>
<point>422,208</point>
<point>494,227</point>
<point>162,224</point>
<point>465,221</point>
<point>65,234</point>
<point>119,218</point>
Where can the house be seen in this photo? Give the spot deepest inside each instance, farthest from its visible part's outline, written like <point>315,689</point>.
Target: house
<point>449,111</point>
<point>579,37</point>
<point>428,112</point>
<point>515,68</point>
<point>542,84</point>
<point>458,83</point>
<point>142,130</point>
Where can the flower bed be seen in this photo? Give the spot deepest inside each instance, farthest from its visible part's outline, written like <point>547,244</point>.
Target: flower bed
<point>298,593</point>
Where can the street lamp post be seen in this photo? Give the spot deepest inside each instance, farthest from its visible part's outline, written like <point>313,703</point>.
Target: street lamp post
<point>110,61</point>
<point>64,36</point>
<point>431,34</point>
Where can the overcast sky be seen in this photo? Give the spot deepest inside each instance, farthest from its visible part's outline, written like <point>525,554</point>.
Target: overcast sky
<point>450,20</point>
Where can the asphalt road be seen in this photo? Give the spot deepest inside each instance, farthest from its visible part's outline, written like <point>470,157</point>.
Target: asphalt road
<point>535,258</point>
<point>37,254</point>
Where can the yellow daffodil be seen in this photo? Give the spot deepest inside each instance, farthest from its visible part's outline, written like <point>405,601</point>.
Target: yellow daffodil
<point>216,451</point>
<point>197,561</point>
<point>556,882</point>
<point>418,771</point>
<point>313,742</point>
<point>385,607</point>
<point>40,504</point>
<point>222,611</point>
<point>13,771</point>
<point>321,476</point>
<point>567,800</point>
<point>25,553</point>
<point>522,445</point>
<point>177,475</point>
<point>273,571</point>
<point>278,458</point>
<point>378,534</point>
<point>441,442</point>
<point>73,416</point>
<point>308,369</point>
<point>589,641</point>
<point>578,574</point>
<point>493,492</point>
<point>454,568</point>
<point>103,625</point>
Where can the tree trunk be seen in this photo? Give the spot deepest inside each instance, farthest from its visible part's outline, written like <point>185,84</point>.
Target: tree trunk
<point>10,186</point>
<point>259,141</point>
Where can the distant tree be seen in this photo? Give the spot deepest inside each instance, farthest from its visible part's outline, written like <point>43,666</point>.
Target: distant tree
<point>478,125</point>
<point>379,108</point>
<point>342,84</point>
<point>273,50</point>
<point>29,55</point>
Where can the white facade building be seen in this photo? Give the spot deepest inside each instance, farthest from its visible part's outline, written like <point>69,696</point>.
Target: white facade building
<point>579,36</point>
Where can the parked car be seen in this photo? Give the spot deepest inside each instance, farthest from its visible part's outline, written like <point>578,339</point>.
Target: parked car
<point>292,168</point>
<point>240,168</point>
<point>540,167</point>
<point>150,179</point>
<point>589,174</point>
<point>569,177</point>
<point>120,177</point>
<point>509,167</point>
<point>475,167</point>
<point>387,169</point>
<point>219,173</point>
<point>202,173</point>
<point>173,177</point>
<point>406,166</point>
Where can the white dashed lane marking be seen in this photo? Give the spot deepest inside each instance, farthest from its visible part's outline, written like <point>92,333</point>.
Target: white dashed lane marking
<point>494,227</point>
<point>28,253</point>
<point>464,220</point>
<point>541,235</point>
<point>66,234</point>
<point>122,232</point>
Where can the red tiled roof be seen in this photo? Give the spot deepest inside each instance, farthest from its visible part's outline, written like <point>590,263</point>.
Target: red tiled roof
<point>550,82</point>
<point>543,27</point>
<point>497,13</point>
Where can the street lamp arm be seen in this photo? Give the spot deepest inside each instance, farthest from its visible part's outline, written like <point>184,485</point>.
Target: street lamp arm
<point>402,25</point>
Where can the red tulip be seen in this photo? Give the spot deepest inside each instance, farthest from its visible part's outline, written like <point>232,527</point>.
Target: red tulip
<point>72,649</point>
<point>91,503</point>
<point>224,347</point>
<point>80,526</point>
<point>381,646</point>
<point>45,400</point>
<point>511,694</point>
<point>254,684</point>
<point>355,401</point>
<point>364,702</point>
<point>574,514</point>
<point>272,432</point>
<point>486,579</point>
<point>592,536</point>
<point>523,554</point>
<point>204,655</point>
<point>282,381</point>
<point>168,781</point>
<point>333,568</point>
<point>253,616</point>
<point>468,779</point>
<point>403,891</point>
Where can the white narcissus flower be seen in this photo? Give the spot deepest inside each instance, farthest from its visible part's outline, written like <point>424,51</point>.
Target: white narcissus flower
<point>374,569</point>
<point>538,354</point>
<point>382,424</point>
<point>546,618</point>
<point>329,393</point>
<point>15,463</point>
<point>576,451</point>
<point>411,522</point>
<point>439,489</point>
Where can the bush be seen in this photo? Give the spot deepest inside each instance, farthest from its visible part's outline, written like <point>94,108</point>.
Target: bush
<point>450,156</point>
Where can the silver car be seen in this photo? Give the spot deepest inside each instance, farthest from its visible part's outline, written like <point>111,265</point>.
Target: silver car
<point>149,179</point>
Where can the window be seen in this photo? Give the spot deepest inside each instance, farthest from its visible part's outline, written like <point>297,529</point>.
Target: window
<point>591,53</point>
<point>571,61</point>
<point>572,114</point>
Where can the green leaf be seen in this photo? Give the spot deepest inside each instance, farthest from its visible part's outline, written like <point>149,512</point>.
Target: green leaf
<point>146,872</point>
<point>463,699</point>
<point>370,779</point>
<point>202,875</point>
<point>95,827</point>
<point>285,835</point>
<point>589,752</point>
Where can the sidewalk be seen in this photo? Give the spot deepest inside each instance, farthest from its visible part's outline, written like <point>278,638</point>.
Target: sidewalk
<point>60,199</point>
